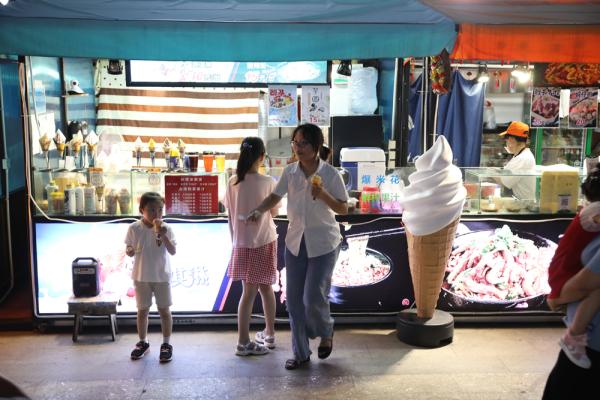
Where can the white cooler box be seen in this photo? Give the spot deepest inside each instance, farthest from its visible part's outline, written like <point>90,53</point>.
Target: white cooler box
<point>366,165</point>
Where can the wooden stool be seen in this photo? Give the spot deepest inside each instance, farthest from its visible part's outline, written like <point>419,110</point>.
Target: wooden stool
<point>105,304</point>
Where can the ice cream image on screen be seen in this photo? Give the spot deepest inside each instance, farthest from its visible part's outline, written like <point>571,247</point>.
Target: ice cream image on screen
<point>432,203</point>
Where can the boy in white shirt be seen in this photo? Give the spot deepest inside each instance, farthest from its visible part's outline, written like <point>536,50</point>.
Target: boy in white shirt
<point>151,241</point>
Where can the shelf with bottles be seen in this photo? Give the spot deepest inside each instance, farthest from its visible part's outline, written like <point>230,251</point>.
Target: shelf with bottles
<point>116,193</point>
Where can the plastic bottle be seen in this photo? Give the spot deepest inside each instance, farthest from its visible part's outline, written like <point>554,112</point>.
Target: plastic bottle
<point>58,203</point>
<point>70,200</point>
<point>79,200</point>
<point>51,188</point>
<point>89,196</point>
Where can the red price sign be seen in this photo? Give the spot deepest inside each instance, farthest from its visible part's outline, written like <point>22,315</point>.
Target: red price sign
<point>191,194</point>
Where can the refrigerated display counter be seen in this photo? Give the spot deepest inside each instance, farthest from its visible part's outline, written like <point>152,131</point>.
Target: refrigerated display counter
<point>371,280</point>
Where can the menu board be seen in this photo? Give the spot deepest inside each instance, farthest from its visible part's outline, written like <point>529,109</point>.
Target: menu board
<point>315,105</point>
<point>215,73</point>
<point>583,107</point>
<point>545,106</point>
<point>283,108</point>
<point>191,194</point>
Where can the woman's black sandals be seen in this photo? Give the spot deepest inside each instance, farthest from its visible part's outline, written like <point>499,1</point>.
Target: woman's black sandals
<point>325,351</point>
<point>293,363</point>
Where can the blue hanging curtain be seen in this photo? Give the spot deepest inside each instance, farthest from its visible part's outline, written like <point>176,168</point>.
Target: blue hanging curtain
<point>460,119</point>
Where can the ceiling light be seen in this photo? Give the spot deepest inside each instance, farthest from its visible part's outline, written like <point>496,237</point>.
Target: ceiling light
<point>4,2</point>
<point>522,73</point>
<point>483,76</point>
<point>345,68</point>
<point>516,72</point>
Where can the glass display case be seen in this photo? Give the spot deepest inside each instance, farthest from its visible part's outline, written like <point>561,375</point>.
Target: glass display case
<point>556,188</point>
<point>563,146</point>
<point>492,148</point>
<point>92,191</point>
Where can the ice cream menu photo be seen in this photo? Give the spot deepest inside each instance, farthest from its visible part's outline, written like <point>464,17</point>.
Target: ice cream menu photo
<point>191,194</point>
<point>315,105</point>
<point>283,106</point>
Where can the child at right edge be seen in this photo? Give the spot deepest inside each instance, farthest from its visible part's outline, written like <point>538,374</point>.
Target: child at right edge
<point>151,242</point>
<point>566,263</point>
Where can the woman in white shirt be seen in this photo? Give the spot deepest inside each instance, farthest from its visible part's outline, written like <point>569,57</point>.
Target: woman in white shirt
<point>522,161</point>
<point>312,241</point>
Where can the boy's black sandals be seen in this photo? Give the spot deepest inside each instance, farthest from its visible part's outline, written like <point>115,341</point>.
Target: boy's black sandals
<point>293,363</point>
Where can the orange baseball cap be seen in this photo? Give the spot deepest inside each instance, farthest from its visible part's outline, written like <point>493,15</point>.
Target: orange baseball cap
<point>516,128</point>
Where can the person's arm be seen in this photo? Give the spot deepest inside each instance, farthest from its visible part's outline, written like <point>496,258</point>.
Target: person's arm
<point>338,206</point>
<point>129,250</point>
<point>275,210</point>
<point>273,199</point>
<point>268,203</point>
<point>579,286</point>
<point>166,239</point>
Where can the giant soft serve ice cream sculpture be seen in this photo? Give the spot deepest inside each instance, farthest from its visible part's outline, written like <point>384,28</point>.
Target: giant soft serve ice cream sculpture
<point>432,202</point>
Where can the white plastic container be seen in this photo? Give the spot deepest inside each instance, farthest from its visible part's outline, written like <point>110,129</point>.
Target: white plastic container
<point>70,200</point>
<point>79,200</point>
<point>365,164</point>
<point>89,197</point>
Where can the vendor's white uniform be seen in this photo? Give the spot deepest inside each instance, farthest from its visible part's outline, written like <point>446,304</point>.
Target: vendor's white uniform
<point>523,187</point>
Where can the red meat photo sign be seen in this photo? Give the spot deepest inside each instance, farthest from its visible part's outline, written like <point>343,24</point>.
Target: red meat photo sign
<point>191,194</point>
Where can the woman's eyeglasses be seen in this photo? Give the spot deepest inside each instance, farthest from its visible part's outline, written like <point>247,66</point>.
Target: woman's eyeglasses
<point>300,144</point>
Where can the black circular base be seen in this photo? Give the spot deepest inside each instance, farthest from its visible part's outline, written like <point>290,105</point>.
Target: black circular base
<point>436,331</point>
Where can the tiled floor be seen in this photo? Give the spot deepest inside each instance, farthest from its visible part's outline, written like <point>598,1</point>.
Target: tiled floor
<point>483,362</point>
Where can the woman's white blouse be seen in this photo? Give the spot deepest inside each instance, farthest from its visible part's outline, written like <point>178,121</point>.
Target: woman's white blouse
<point>310,218</point>
<point>523,187</point>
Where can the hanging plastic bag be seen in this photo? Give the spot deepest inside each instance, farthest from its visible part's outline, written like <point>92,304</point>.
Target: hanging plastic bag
<point>363,89</point>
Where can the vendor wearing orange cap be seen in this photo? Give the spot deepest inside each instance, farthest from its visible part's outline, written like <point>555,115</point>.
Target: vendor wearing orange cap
<point>522,161</point>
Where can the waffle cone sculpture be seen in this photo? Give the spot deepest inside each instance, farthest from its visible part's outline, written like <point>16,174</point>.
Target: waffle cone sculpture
<point>428,255</point>
<point>432,206</point>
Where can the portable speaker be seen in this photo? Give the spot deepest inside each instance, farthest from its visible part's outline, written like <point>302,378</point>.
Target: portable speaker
<point>86,277</point>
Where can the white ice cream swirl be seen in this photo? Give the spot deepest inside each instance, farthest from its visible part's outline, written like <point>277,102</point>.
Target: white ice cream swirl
<point>435,195</point>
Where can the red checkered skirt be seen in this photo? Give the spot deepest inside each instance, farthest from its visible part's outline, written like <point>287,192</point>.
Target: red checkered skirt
<point>254,265</point>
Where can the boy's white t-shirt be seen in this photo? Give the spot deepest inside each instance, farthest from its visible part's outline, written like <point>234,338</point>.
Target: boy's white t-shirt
<point>151,263</point>
<point>242,198</point>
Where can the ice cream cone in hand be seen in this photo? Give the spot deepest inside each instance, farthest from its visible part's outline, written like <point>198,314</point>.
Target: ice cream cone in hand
<point>428,255</point>
<point>315,181</point>
<point>157,230</point>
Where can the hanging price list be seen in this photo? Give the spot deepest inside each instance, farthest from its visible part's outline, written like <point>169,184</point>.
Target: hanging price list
<point>191,194</point>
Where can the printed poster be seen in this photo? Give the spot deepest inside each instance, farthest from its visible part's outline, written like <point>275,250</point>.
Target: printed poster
<point>189,195</point>
<point>583,108</point>
<point>545,105</point>
<point>315,105</point>
<point>283,106</point>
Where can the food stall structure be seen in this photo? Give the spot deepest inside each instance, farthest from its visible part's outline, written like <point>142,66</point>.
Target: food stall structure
<point>371,280</point>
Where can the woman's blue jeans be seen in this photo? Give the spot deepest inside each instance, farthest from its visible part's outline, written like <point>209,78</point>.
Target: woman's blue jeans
<point>308,281</point>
